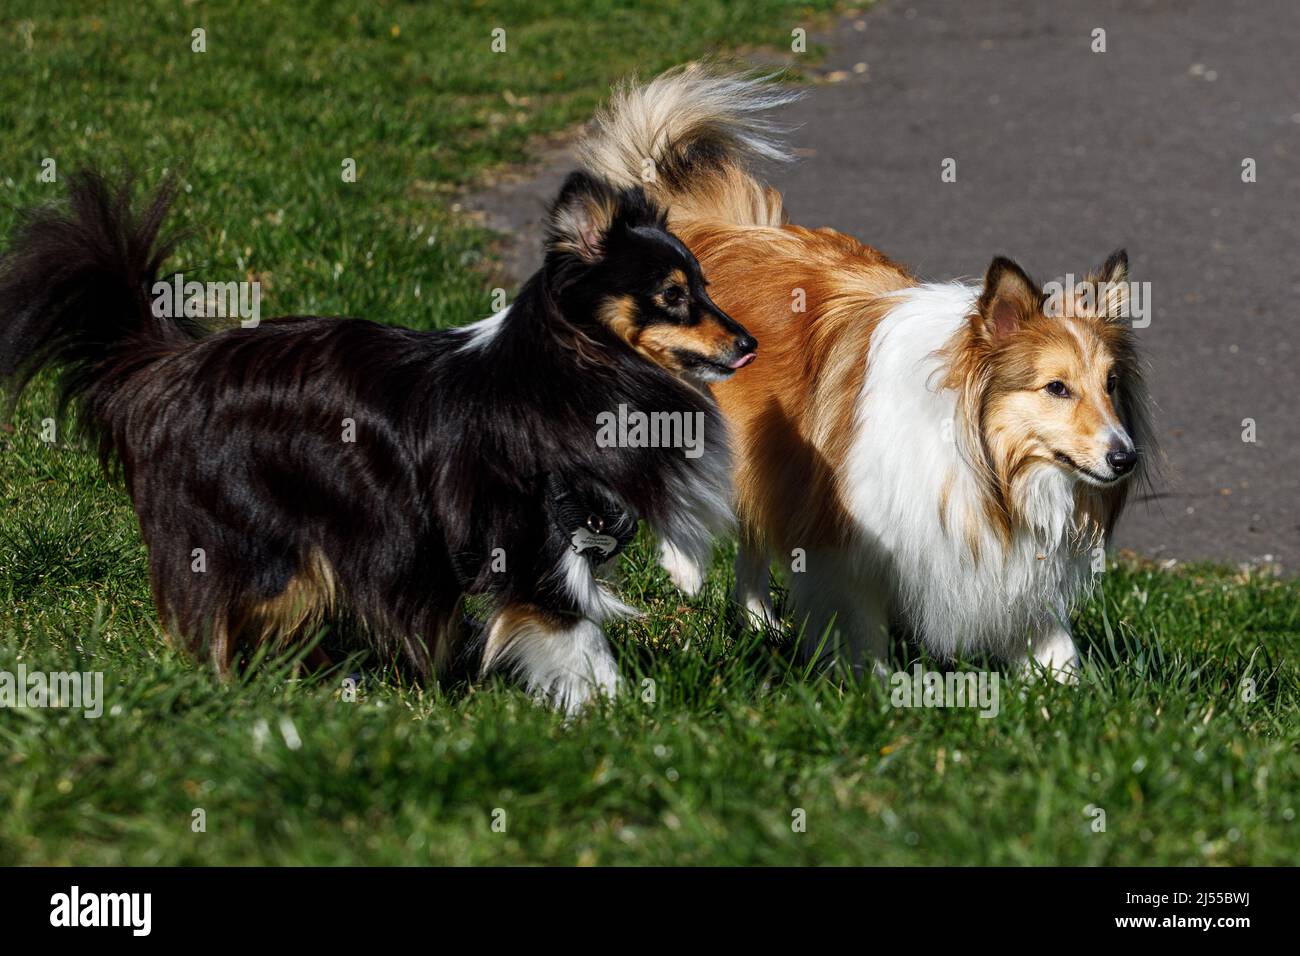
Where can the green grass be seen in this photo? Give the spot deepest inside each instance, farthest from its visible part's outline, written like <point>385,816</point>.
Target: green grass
<point>736,739</point>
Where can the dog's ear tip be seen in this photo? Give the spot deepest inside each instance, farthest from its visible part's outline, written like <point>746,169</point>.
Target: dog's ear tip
<point>578,176</point>
<point>576,183</point>
<point>581,215</point>
<point>999,266</point>
<point>1005,272</point>
<point>1115,268</point>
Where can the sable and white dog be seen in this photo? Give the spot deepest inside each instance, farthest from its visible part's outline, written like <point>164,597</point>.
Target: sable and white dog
<point>944,456</point>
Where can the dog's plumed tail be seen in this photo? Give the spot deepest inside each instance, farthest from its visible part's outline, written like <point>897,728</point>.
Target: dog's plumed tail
<point>74,292</point>
<point>690,138</point>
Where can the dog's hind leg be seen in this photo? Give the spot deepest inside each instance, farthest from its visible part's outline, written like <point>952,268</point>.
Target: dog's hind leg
<point>845,619</point>
<point>754,583</point>
<point>194,612</point>
<point>563,659</point>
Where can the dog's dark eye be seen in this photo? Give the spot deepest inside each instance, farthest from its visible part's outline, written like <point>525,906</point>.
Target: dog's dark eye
<point>1058,389</point>
<point>1111,383</point>
<point>673,296</point>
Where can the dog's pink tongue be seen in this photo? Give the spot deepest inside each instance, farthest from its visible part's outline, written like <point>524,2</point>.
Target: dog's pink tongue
<point>744,360</point>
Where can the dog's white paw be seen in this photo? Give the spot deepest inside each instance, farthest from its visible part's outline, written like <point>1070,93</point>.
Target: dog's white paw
<point>684,571</point>
<point>1056,654</point>
<point>571,692</point>
<point>566,666</point>
<point>760,614</point>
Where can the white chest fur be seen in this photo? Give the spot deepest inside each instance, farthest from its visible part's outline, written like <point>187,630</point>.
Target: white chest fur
<point>918,506</point>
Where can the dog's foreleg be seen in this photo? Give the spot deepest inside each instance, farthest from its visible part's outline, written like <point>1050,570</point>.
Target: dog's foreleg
<point>685,565</point>
<point>562,659</point>
<point>1054,650</point>
<point>686,536</point>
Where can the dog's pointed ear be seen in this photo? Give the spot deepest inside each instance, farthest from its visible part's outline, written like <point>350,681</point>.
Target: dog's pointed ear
<point>581,217</point>
<point>1009,300</point>
<point>1109,285</point>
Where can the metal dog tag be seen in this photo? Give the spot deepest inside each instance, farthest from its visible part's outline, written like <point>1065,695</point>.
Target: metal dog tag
<point>585,538</point>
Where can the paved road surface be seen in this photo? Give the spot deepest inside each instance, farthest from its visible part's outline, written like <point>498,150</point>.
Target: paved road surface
<point>1063,155</point>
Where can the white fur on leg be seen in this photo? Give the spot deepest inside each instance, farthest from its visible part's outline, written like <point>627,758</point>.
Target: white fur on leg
<point>685,570</point>
<point>701,511</point>
<point>1055,652</point>
<point>754,586</point>
<point>565,663</point>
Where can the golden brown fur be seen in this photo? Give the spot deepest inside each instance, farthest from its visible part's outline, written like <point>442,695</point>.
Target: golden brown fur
<point>813,298</point>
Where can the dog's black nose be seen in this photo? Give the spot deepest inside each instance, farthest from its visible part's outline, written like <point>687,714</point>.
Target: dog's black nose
<point>745,347</point>
<point>1122,460</point>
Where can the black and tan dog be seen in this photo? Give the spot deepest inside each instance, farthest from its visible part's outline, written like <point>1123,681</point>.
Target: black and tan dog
<point>472,449</point>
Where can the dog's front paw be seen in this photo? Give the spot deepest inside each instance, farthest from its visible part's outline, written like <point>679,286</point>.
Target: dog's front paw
<point>564,665</point>
<point>759,613</point>
<point>571,693</point>
<point>683,570</point>
<point>1057,655</point>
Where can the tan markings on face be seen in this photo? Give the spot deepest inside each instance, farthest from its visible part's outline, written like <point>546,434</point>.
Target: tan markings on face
<point>706,337</point>
<point>623,318</point>
<point>620,315</point>
<point>1025,422</point>
<point>676,280</point>
<point>661,342</point>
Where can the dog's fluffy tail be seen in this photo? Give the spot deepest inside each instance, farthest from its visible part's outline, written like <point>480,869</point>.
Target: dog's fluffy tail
<point>690,137</point>
<point>75,287</point>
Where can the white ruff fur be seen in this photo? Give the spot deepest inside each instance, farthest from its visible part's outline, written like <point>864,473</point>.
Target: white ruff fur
<point>1015,599</point>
